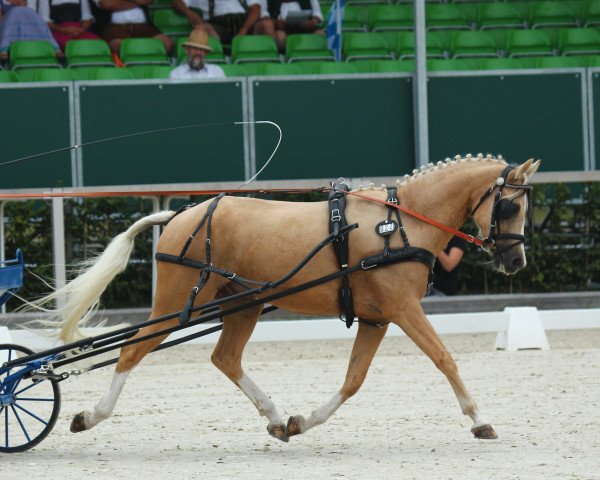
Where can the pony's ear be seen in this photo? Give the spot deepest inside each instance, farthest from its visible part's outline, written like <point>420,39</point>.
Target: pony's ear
<point>522,170</point>
<point>532,168</point>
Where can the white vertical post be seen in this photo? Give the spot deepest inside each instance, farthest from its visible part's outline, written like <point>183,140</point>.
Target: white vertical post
<point>420,88</point>
<point>58,245</point>
<point>155,237</point>
<point>2,253</point>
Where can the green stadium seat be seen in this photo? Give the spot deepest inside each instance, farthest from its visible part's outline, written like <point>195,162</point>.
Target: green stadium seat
<point>559,62</point>
<point>216,56</point>
<point>499,15</point>
<point>362,2</point>
<point>405,46</point>
<point>445,17</point>
<point>355,18</point>
<point>158,4</point>
<point>8,76</point>
<point>237,70</point>
<point>88,53</point>
<point>551,14</point>
<point>390,17</point>
<point>254,48</point>
<point>281,69</point>
<point>507,63</point>
<point>336,68</point>
<point>591,13</point>
<point>143,51</point>
<point>521,43</point>
<point>32,54</point>
<point>448,64</point>
<point>579,41</point>
<point>365,66</point>
<point>305,47</point>
<point>365,45</point>
<point>393,66</point>
<point>55,75</point>
<point>310,68</point>
<point>108,73</point>
<point>171,23</point>
<point>158,71</point>
<point>473,44</point>
<point>593,61</point>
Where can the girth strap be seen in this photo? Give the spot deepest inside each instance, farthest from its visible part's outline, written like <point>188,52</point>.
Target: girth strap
<point>337,220</point>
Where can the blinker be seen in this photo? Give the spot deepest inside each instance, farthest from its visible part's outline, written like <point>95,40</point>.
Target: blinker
<point>506,209</point>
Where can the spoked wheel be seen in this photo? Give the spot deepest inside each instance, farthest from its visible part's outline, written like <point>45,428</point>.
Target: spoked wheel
<point>28,408</point>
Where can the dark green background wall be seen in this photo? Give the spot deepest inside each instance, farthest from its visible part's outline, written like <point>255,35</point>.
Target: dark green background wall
<point>332,127</point>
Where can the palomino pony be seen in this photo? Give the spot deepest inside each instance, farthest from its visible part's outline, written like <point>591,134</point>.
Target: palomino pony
<point>263,240</point>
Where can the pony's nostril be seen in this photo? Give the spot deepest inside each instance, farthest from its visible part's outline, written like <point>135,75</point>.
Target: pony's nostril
<point>517,262</point>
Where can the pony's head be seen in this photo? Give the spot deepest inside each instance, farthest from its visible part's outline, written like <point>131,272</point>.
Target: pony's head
<point>502,212</point>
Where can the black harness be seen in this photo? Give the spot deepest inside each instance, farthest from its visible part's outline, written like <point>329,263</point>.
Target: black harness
<point>338,236</point>
<point>386,228</point>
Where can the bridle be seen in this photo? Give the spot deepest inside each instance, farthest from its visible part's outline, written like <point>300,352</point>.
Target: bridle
<point>502,209</point>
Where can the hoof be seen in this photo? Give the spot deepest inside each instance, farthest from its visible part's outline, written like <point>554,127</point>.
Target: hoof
<point>279,432</point>
<point>295,425</point>
<point>485,432</point>
<point>78,423</point>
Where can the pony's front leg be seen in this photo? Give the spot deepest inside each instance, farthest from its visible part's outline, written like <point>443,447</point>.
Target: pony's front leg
<point>227,357</point>
<point>367,342</point>
<point>416,325</point>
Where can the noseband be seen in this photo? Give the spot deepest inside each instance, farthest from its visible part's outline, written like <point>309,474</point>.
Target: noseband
<point>503,209</point>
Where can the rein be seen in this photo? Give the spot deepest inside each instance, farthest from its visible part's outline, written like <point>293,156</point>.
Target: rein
<point>486,243</point>
<point>412,213</point>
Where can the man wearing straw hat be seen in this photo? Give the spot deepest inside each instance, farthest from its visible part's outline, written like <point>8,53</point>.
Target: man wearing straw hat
<point>196,67</point>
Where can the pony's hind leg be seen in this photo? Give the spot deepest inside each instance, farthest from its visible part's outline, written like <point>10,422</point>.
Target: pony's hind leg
<point>367,342</point>
<point>227,357</point>
<point>129,357</point>
<point>170,297</point>
<point>415,324</point>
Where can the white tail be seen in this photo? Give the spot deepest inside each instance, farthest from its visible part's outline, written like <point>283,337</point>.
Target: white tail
<point>82,294</point>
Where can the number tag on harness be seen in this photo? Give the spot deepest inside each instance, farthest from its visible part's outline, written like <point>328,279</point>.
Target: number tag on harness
<point>386,228</point>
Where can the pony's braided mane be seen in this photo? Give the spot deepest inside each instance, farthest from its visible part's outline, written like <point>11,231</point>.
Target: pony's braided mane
<point>417,173</point>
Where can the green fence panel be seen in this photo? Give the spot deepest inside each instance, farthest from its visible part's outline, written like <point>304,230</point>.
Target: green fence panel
<point>518,116</point>
<point>596,116</point>
<point>35,121</point>
<point>196,154</point>
<point>335,127</point>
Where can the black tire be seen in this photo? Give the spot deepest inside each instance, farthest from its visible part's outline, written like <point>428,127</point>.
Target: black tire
<point>27,420</point>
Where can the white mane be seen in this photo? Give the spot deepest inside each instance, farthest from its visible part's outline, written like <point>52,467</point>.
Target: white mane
<point>419,172</point>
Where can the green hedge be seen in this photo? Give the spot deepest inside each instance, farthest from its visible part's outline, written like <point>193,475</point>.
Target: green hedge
<point>564,255</point>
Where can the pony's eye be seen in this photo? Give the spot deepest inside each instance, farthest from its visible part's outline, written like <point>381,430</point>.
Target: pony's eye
<point>505,209</point>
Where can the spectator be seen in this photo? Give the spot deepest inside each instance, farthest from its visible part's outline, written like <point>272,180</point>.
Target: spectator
<point>196,67</point>
<point>224,19</point>
<point>20,21</point>
<point>302,16</point>
<point>130,19</point>
<point>67,19</point>
<point>446,270</point>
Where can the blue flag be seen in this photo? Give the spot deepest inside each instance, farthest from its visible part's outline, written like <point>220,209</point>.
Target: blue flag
<point>334,28</point>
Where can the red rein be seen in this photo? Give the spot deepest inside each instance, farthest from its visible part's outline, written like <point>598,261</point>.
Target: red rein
<point>441,226</point>
<point>464,236</point>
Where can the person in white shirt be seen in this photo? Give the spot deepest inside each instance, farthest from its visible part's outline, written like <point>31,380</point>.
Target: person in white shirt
<point>130,19</point>
<point>223,19</point>
<point>295,16</point>
<point>196,67</point>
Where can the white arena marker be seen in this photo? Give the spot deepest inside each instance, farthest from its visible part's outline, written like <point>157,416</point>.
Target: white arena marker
<point>524,330</point>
